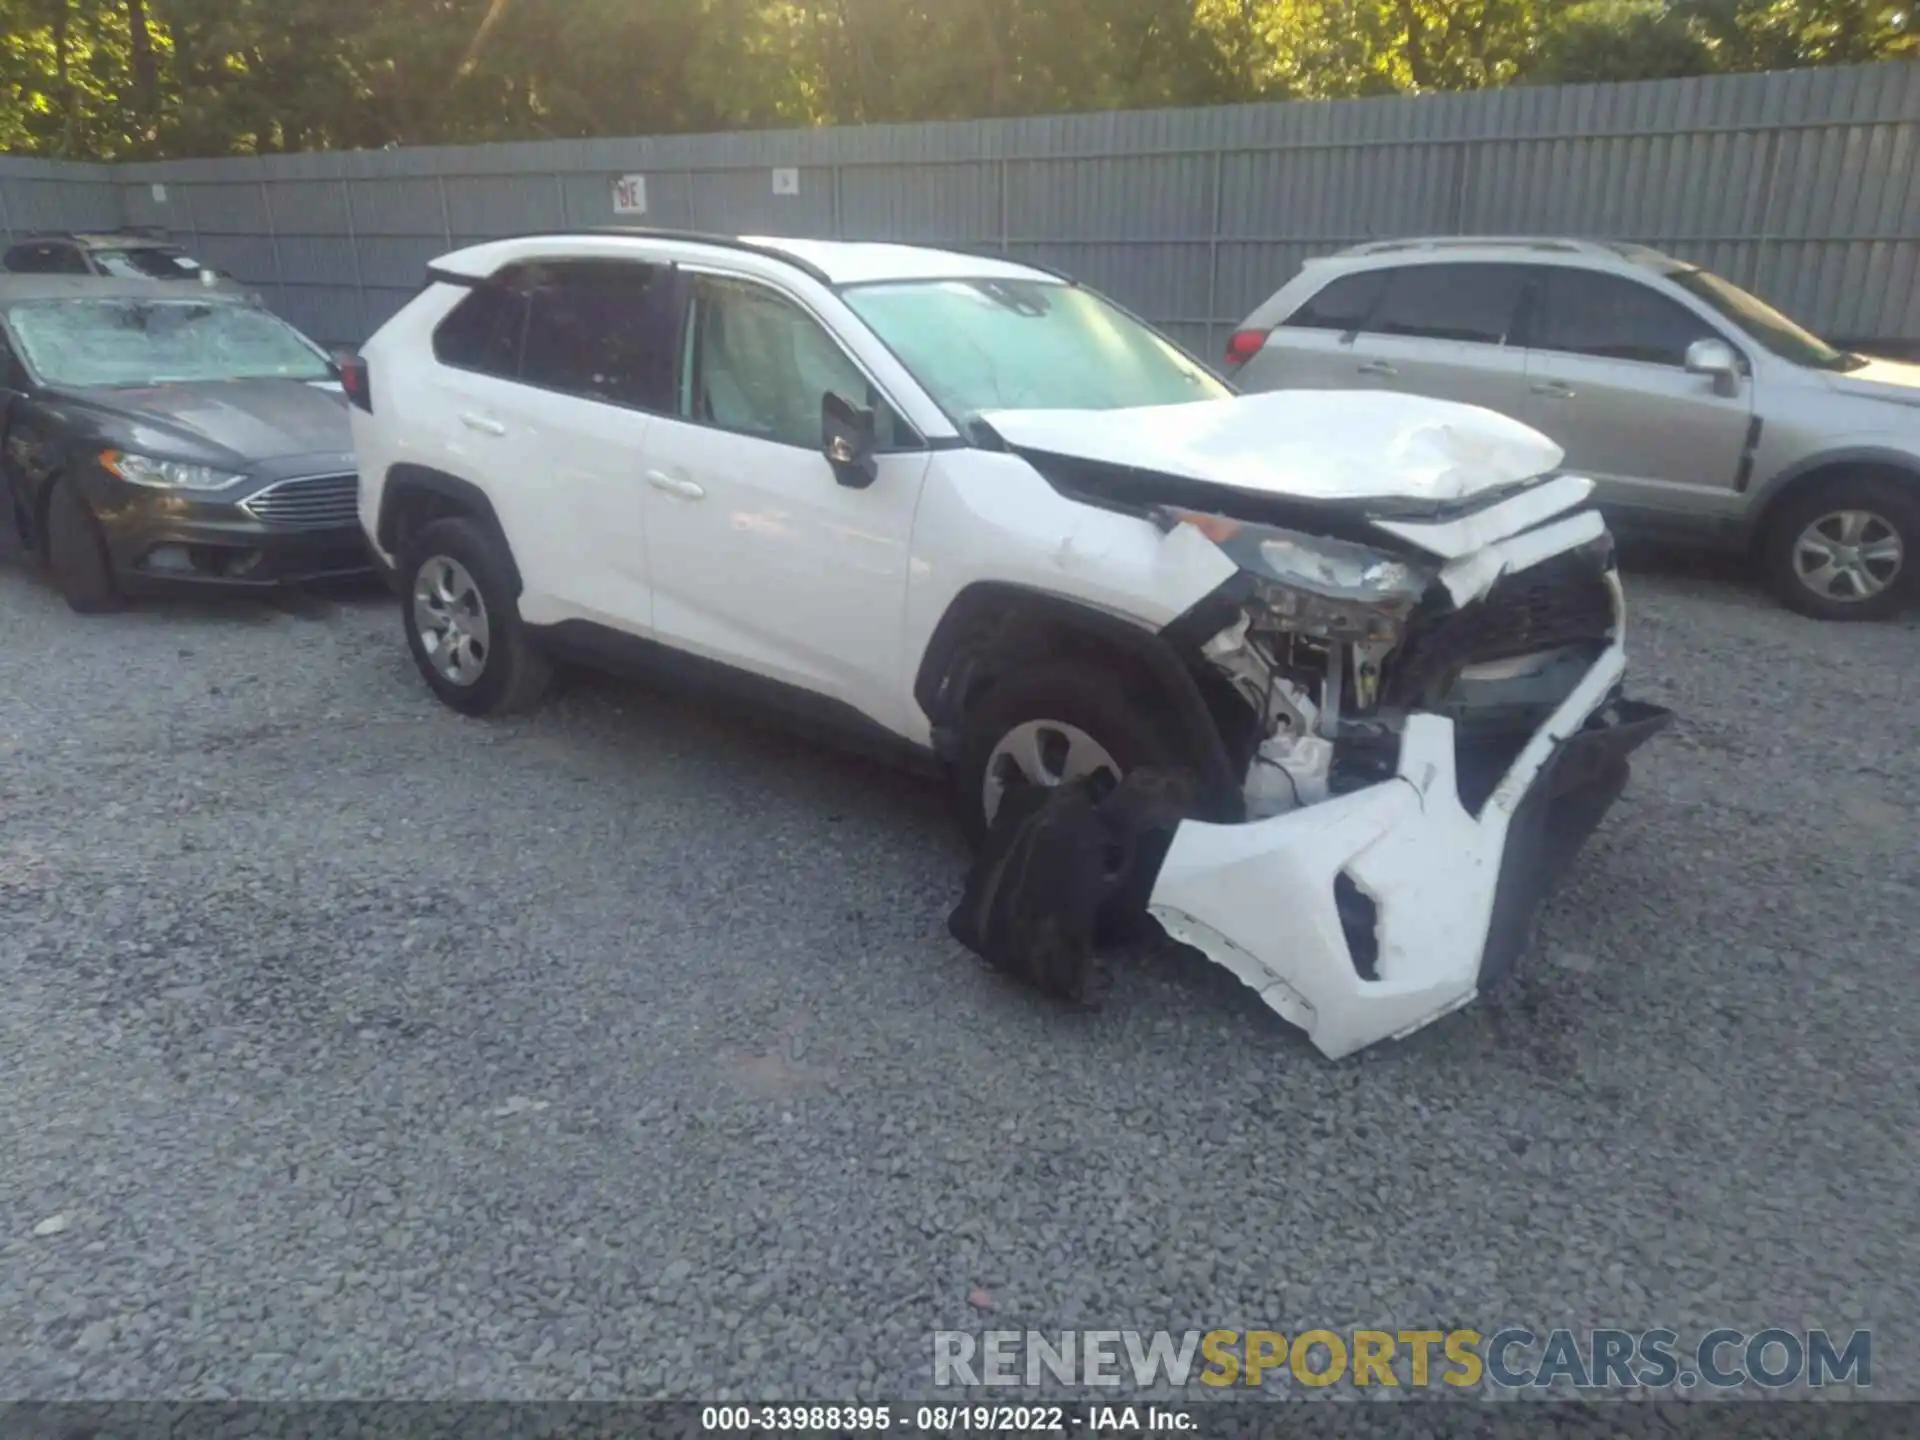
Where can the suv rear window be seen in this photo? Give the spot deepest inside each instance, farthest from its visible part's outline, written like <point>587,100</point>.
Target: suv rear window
<point>44,258</point>
<point>600,329</point>
<point>1343,305</point>
<point>483,331</point>
<point>1473,303</point>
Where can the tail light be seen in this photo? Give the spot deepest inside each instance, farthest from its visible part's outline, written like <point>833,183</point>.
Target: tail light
<point>355,380</point>
<point>1244,345</point>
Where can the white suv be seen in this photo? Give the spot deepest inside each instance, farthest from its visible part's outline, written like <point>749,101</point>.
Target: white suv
<point>975,510</point>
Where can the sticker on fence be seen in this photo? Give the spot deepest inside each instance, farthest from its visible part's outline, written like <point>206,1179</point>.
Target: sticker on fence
<point>630,195</point>
<point>159,194</point>
<point>786,182</point>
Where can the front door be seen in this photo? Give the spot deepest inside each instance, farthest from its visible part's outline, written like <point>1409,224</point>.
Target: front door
<point>760,557</point>
<point>1607,381</point>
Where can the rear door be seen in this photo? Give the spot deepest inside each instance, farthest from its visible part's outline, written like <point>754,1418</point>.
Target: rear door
<point>553,378</point>
<point>1449,331</point>
<point>1607,381</point>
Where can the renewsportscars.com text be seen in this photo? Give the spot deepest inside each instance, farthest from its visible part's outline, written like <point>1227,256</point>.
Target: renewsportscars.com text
<point>1506,1359</point>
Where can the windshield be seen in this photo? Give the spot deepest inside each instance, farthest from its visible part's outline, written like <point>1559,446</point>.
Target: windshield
<point>1026,345</point>
<point>146,263</point>
<point>153,342</point>
<point>1763,323</point>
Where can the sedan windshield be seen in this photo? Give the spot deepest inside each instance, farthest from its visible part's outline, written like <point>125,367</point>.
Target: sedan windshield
<point>1766,325</point>
<point>1026,345</point>
<point>122,342</point>
<point>146,263</point>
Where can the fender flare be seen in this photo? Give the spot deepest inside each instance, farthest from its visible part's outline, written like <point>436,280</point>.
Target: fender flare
<point>1768,496</point>
<point>939,684</point>
<point>464,496</point>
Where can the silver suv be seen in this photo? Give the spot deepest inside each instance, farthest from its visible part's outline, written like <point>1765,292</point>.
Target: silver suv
<point>1700,411</point>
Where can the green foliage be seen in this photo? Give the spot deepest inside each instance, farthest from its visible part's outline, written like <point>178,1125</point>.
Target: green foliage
<point>114,79</point>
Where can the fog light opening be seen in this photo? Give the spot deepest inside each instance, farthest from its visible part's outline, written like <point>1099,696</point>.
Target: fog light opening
<point>1360,920</point>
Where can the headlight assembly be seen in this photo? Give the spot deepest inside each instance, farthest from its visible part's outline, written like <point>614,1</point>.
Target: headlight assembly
<point>1331,589</point>
<point>165,474</point>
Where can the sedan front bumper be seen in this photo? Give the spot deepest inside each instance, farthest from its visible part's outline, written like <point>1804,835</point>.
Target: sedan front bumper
<point>1438,902</point>
<point>163,541</point>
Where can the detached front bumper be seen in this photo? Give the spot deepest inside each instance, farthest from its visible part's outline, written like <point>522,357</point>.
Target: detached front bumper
<point>1372,914</point>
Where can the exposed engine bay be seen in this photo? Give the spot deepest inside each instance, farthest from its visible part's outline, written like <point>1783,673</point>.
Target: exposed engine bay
<point>1421,701</point>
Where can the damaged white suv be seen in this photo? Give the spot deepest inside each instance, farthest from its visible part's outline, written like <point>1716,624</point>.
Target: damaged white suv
<point>1370,643</point>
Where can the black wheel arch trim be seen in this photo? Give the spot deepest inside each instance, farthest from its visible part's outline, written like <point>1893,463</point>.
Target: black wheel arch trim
<point>934,689</point>
<point>410,479</point>
<point>1767,499</point>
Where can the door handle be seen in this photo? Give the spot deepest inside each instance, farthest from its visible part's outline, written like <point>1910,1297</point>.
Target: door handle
<point>483,424</point>
<point>1554,390</point>
<point>673,485</point>
<point>1377,367</point>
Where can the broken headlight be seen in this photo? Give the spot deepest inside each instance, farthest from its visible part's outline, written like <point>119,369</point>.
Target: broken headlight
<point>1313,585</point>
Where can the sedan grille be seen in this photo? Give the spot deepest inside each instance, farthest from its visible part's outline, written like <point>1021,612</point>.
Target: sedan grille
<point>322,502</point>
<point>1562,601</point>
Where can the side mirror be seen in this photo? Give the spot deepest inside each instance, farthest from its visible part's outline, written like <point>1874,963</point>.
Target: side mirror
<point>847,440</point>
<point>1716,360</point>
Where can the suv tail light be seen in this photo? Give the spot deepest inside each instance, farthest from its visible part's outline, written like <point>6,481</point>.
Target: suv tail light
<point>1244,345</point>
<point>355,380</point>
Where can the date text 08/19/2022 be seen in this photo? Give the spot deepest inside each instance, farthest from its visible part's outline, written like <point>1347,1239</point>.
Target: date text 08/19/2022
<point>943,1419</point>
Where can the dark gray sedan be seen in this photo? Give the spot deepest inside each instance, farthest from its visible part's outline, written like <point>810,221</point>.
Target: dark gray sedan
<point>156,441</point>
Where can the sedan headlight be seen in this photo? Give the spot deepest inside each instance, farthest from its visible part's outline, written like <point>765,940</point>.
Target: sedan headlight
<point>165,474</point>
<point>1313,585</point>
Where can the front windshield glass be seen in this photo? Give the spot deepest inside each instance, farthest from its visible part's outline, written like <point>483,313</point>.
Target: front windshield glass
<point>146,263</point>
<point>122,342</point>
<point>1763,323</point>
<point>1026,345</point>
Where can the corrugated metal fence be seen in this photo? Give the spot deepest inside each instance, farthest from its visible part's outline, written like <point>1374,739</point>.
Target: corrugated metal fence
<point>1799,184</point>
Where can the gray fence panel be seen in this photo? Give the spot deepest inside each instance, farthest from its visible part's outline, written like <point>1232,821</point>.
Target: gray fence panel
<point>1801,185</point>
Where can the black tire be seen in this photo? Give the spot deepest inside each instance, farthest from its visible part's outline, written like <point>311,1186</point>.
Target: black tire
<point>512,673</point>
<point>1095,700</point>
<point>1895,504</point>
<point>77,556</point>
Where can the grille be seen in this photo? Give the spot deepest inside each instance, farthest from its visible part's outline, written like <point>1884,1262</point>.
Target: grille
<point>317,503</point>
<point>1562,601</point>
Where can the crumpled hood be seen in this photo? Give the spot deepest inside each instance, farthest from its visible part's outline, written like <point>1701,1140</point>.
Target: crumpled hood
<point>1308,444</point>
<point>1880,380</point>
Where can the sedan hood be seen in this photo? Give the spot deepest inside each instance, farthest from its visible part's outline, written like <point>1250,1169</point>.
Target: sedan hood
<point>1880,380</point>
<point>1314,445</point>
<point>242,422</point>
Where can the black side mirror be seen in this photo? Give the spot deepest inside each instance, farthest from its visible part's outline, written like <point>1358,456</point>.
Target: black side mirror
<point>847,440</point>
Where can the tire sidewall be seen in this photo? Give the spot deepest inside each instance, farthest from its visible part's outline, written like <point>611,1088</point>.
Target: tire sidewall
<point>76,554</point>
<point>1897,503</point>
<point>481,556</point>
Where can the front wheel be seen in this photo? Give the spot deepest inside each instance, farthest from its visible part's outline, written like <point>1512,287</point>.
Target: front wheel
<point>1847,549</point>
<point>1050,726</point>
<point>77,556</point>
<point>462,625</point>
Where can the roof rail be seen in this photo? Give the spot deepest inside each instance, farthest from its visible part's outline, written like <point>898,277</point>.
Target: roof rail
<point>699,237</point>
<point>1558,244</point>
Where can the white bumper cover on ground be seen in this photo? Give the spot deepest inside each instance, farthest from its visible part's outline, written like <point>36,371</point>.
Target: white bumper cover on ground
<point>1259,898</point>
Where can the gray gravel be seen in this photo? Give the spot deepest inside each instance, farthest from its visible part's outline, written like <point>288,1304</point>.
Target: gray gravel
<point>348,1047</point>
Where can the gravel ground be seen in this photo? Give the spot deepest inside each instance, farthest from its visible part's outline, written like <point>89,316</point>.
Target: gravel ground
<point>350,1048</point>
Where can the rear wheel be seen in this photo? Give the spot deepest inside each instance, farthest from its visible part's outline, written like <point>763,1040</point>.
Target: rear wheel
<point>463,628</point>
<point>77,556</point>
<point>1847,549</point>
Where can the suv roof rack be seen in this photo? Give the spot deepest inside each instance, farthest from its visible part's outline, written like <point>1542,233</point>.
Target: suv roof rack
<point>1559,244</point>
<point>701,237</point>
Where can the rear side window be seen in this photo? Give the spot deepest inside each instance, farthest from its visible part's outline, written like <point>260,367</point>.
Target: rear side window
<point>483,331</point>
<point>1343,305</point>
<point>1581,312</point>
<point>1474,303</point>
<point>605,330</point>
